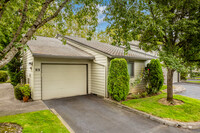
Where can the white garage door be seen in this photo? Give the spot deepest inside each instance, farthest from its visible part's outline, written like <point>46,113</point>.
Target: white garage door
<point>63,80</point>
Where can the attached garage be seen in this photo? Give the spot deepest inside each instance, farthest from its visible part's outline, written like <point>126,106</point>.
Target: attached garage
<point>54,70</point>
<point>63,80</point>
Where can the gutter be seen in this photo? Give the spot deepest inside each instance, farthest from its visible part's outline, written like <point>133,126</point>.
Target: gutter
<point>134,58</point>
<point>60,56</point>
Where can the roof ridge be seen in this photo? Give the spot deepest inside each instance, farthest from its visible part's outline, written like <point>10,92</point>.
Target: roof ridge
<point>78,49</point>
<point>120,48</point>
<point>87,45</point>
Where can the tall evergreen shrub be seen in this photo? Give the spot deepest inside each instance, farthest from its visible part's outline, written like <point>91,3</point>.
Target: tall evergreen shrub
<point>118,79</point>
<point>155,76</point>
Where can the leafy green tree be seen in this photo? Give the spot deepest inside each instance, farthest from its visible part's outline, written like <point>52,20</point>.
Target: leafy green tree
<point>102,36</point>
<point>15,69</point>
<point>170,27</point>
<point>20,19</point>
<point>118,79</point>
<point>70,27</point>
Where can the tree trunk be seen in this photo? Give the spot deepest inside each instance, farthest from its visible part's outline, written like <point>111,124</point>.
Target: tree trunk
<point>8,57</point>
<point>23,20</point>
<point>169,84</point>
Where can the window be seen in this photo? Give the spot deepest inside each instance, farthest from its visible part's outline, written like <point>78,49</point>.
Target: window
<point>131,69</point>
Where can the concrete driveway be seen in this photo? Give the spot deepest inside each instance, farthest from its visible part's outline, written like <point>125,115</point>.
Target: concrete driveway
<point>91,114</point>
<point>192,90</point>
<point>10,106</point>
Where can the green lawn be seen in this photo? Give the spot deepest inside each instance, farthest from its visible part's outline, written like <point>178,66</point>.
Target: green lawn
<point>194,81</point>
<point>163,87</point>
<point>37,122</point>
<point>187,112</point>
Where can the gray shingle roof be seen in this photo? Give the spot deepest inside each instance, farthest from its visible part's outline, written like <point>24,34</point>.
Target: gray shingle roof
<point>110,50</point>
<point>51,47</point>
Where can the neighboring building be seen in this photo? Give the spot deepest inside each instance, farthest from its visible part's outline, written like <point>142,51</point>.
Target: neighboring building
<point>176,76</point>
<point>80,67</point>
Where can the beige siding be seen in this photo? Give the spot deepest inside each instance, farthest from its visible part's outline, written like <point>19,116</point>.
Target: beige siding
<point>99,71</point>
<point>99,57</point>
<point>139,67</point>
<point>165,75</point>
<point>175,76</point>
<point>98,79</point>
<point>37,74</point>
<point>28,68</point>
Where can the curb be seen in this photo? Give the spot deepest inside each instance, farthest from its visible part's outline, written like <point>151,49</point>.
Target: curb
<point>62,120</point>
<point>190,83</point>
<point>186,125</point>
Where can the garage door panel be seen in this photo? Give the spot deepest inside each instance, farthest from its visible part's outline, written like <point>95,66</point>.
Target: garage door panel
<point>63,81</point>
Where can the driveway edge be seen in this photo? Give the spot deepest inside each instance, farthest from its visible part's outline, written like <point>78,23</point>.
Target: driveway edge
<point>62,120</point>
<point>186,125</point>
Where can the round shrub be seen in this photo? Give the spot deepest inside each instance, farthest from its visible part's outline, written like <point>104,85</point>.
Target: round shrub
<point>17,91</point>
<point>3,76</point>
<point>155,77</point>
<point>26,91</point>
<point>118,79</point>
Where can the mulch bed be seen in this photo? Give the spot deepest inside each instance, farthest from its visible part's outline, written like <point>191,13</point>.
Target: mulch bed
<point>130,96</point>
<point>174,102</point>
<point>10,128</point>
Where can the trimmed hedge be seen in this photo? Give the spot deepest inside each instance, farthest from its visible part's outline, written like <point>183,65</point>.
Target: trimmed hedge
<point>3,76</point>
<point>17,92</point>
<point>118,79</point>
<point>155,77</point>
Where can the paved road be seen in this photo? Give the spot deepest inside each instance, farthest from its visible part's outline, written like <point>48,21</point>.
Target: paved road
<point>91,114</point>
<point>194,79</point>
<point>192,90</point>
<point>10,106</point>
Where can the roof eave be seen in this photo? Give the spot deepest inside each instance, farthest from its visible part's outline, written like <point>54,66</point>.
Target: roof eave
<point>64,57</point>
<point>133,58</point>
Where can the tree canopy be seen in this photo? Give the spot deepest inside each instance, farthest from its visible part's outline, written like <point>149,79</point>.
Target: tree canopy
<point>171,27</point>
<point>21,19</point>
